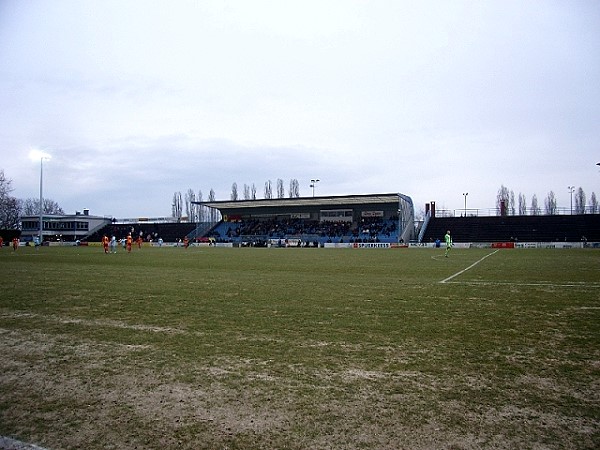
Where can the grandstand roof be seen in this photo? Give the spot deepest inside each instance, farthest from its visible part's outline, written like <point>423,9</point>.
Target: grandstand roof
<point>322,202</point>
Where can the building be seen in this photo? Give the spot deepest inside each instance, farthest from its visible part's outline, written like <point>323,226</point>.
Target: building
<point>352,209</point>
<point>62,227</point>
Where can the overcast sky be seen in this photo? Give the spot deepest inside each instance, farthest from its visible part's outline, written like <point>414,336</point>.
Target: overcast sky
<point>135,100</point>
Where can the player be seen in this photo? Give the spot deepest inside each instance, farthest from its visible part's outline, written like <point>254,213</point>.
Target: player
<point>448,239</point>
<point>113,244</point>
<point>129,241</point>
<point>105,243</point>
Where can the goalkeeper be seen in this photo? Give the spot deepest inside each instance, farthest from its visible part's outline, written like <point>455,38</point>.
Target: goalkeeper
<point>448,240</point>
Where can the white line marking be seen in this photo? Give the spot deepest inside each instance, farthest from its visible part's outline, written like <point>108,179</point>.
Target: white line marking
<point>582,284</point>
<point>470,267</point>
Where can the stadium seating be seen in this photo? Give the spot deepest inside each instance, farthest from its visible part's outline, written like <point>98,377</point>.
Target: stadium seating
<point>169,232</point>
<point>368,230</point>
<point>546,228</point>
<point>542,228</point>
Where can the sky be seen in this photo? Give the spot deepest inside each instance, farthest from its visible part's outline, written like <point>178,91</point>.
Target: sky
<point>137,100</point>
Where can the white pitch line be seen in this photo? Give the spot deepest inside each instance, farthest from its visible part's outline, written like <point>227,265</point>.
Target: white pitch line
<point>470,267</point>
<point>583,285</point>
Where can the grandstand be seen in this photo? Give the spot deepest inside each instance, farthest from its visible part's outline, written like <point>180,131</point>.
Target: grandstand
<point>314,220</point>
<point>308,221</point>
<point>547,228</point>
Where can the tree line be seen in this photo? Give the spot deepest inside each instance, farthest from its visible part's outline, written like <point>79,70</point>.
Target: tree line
<point>12,208</point>
<point>507,204</point>
<point>198,213</point>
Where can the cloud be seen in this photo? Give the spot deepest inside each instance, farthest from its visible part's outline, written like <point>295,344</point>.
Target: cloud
<point>137,100</point>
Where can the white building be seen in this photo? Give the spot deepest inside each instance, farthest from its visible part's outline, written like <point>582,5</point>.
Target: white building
<point>62,227</point>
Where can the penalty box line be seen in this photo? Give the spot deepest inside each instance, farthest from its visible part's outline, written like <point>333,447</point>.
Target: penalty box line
<point>468,268</point>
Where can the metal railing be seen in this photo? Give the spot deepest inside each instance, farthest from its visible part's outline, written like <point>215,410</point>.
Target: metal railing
<point>424,227</point>
<point>201,229</point>
<point>489,212</point>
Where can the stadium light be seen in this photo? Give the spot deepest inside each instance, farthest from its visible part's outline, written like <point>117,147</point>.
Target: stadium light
<point>34,155</point>
<point>313,183</point>
<point>571,190</point>
<point>465,196</point>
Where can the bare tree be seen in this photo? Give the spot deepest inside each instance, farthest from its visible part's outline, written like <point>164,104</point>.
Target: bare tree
<point>31,207</point>
<point>246,192</point>
<point>294,188</point>
<point>253,191</point>
<point>535,209</point>
<point>268,190</point>
<point>593,203</point>
<point>9,213</point>
<point>580,201</point>
<point>5,185</point>
<point>502,200</point>
<point>201,209</point>
<point>213,211</point>
<point>522,205</point>
<point>188,198</point>
<point>234,192</point>
<point>190,208</point>
<point>511,203</point>
<point>9,206</point>
<point>52,207</point>
<point>550,203</point>
<point>177,207</point>
<point>280,188</point>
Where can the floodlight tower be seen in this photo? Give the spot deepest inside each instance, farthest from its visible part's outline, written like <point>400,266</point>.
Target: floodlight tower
<point>571,190</point>
<point>35,155</point>
<point>313,183</point>
<point>465,196</point>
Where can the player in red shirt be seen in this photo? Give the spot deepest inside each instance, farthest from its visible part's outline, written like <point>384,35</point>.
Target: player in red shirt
<point>129,241</point>
<point>105,243</point>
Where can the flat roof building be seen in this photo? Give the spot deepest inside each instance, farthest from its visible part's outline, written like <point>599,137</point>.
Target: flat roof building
<point>62,227</point>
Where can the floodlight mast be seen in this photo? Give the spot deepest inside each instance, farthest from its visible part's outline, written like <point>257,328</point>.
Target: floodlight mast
<point>571,190</point>
<point>313,183</point>
<point>41,200</point>
<point>34,155</point>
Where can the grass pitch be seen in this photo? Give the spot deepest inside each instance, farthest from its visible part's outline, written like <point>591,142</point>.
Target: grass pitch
<point>300,348</point>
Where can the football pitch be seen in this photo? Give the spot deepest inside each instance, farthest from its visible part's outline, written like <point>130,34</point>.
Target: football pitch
<point>248,348</point>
